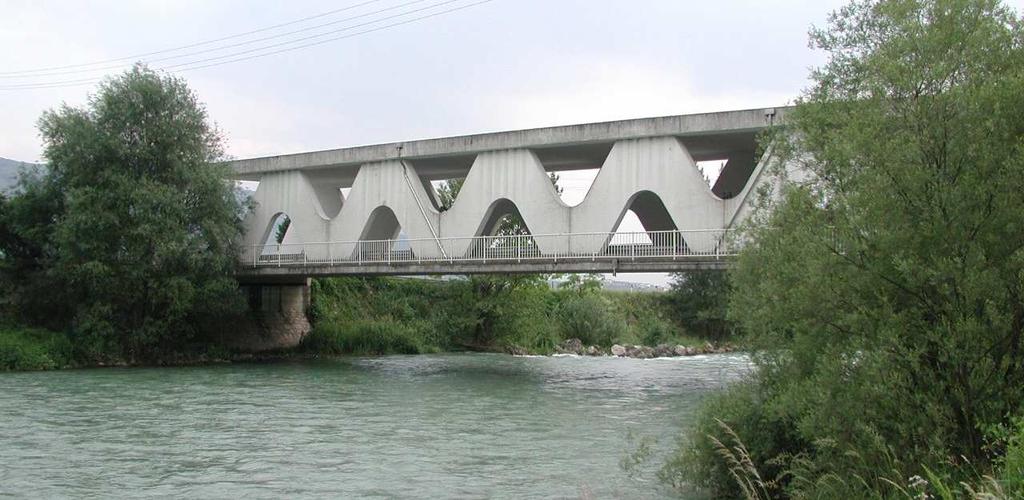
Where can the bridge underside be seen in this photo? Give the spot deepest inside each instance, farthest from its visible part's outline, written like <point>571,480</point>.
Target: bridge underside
<point>287,273</point>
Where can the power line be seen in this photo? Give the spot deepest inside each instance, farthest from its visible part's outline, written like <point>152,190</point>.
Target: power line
<point>351,35</point>
<point>188,67</point>
<point>193,45</point>
<point>302,39</point>
<point>235,45</point>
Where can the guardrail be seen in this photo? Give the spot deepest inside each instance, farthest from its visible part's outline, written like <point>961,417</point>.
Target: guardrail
<point>650,245</point>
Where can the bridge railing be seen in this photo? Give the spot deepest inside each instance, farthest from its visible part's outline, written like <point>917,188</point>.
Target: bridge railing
<point>648,245</point>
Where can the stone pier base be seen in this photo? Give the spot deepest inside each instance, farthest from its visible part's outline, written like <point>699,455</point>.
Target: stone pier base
<point>276,318</point>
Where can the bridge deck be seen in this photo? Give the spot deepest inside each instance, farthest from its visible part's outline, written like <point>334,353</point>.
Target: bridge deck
<point>651,251</point>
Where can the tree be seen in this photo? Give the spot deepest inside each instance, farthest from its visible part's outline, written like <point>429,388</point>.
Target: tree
<point>583,283</point>
<point>131,229</point>
<point>448,191</point>
<point>282,229</point>
<point>699,300</point>
<point>884,293</point>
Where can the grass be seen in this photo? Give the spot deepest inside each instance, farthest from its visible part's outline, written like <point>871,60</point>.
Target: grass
<point>33,349</point>
<point>365,337</point>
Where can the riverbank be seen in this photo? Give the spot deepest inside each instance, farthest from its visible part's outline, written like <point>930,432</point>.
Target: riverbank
<point>376,316</point>
<point>513,314</point>
<point>41,350</point>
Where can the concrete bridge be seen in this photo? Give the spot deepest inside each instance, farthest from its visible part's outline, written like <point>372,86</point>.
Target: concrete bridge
<point>391,221</point>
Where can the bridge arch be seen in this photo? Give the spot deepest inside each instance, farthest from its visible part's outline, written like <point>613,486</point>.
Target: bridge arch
<point>280,222</point>
<point>498,211</point>
<point>381,224</point>
<point>650,209</point>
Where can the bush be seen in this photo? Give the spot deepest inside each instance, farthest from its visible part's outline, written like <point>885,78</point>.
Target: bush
<point>763,433</point>
<point>364,337</point>
<point>653,330</point>
<point>590,318</point>
<point>33,349</point>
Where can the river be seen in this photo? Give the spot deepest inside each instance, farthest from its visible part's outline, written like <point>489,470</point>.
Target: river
<point>428,426</point>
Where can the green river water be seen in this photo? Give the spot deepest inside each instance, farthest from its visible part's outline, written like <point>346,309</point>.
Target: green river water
<point>429,426</point>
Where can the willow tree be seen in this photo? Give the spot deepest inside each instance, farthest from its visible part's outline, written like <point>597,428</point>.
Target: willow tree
<point>128,235</point>
<point>885,295</point>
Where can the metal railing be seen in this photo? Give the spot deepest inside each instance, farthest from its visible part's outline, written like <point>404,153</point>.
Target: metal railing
<point>651,245</point>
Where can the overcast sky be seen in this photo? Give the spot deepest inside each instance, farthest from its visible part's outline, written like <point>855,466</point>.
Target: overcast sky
<point>500,65</point>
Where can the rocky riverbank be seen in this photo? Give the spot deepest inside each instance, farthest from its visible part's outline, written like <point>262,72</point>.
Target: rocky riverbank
<point>575,346</point>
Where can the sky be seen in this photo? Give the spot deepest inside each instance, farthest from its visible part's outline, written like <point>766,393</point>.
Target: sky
<point>498,65</point>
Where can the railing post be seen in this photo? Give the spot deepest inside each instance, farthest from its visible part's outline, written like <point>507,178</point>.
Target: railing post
<point>330,254</point>
<point>359,252</point>
<point>255,257</point>
<point>278,255</point>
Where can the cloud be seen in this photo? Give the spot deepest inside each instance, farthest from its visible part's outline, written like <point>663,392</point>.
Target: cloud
<point>603,90</point>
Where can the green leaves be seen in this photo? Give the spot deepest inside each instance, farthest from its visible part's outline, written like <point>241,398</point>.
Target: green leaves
<point>885,294</point>
<point>132,226</point>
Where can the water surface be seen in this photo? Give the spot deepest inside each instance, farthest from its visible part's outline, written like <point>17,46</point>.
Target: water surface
<point>450,425</point>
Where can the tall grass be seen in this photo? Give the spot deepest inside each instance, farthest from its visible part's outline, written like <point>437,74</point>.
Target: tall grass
<point>1004,481</point>
<point>33,349</point>
<point>366,337</point>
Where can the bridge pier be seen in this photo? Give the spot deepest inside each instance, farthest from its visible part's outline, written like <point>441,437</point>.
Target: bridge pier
<point>276,318</point>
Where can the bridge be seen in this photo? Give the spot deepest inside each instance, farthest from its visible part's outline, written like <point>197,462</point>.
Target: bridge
<point>392,221</point>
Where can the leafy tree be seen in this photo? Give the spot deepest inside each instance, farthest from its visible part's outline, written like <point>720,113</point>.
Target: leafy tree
<point>448,191</point>
<point>282,229</point>
<point>699,300</point>
<point>884,292</point>
<point>583,283</point>
<point>128,236</point>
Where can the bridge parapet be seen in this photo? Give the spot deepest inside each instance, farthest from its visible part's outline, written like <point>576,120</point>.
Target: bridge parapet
<point>702,246</point>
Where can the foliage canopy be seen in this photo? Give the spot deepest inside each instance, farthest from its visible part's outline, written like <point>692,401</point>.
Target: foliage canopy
<point>884,292</point>
<point>127,237</point>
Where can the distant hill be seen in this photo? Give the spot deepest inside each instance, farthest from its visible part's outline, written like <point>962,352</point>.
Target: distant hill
<point>9,172</point>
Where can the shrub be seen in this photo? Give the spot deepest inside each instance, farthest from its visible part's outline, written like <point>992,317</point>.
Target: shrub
<point>364,337</point>
<point>653,330</point>
<point>698,460</point>
<point>33,349</point>
<point>590,318</point>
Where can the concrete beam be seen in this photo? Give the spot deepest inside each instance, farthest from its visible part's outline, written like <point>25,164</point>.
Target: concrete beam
<point>288,273</point>
<point>723,124</point>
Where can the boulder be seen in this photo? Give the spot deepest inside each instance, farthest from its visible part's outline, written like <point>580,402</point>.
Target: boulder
<point>664,351</point>
<point>639,351</point>
<point>570,346</point>
<point>618,350</point>
<point>681,350</point>
<point>594,351</point>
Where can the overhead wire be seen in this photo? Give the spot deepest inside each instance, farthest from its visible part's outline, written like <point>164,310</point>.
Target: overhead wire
<point>197,44</point>
<point>239,44</point>
<point>232,58</point>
